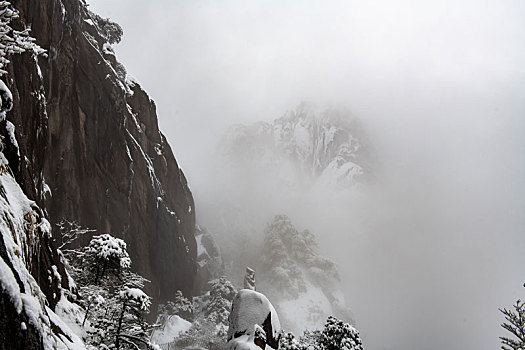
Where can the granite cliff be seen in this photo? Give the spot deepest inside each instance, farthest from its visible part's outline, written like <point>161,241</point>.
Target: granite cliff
<point>87,147</point>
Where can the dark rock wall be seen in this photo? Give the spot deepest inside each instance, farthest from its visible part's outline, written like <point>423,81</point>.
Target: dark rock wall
<point>92,138</point>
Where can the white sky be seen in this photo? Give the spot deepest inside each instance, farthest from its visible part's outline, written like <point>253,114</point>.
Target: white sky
<point>440,86</point>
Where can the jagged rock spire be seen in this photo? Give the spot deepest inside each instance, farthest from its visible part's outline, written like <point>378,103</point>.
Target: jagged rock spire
<point>249,279</point>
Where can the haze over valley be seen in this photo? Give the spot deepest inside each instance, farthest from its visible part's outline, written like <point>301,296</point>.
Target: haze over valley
<point>361,160</point>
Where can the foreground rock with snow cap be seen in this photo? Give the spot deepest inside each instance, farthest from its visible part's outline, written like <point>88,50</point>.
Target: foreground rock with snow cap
<point>254,323</point>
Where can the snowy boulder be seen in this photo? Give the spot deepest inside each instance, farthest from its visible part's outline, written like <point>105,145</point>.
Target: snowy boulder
<point>254,323</point>
<point>244,342</point>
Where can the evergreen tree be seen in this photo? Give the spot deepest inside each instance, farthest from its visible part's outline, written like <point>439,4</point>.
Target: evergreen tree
<point>180,306</point>
<point>288,342</point>
<point>111,31</point>
<point>109,292</point>
<point>282,271</point>
<point>202,334</point>
<point>311,339</point>
<point>516,325</point>
<point>107,256</point>
<point>211,317</point>
<point>338,335</point>
<point>131,328</point>
<point>13,41</point>
<point>220,301</point>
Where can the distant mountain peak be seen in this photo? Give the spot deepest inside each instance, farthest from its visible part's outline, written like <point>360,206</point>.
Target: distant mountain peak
<point>307,146</point>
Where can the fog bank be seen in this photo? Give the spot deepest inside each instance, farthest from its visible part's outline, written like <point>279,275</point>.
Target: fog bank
<point>435,244</point>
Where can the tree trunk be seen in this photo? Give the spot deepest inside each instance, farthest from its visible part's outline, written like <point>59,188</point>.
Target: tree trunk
<point>119,326</point>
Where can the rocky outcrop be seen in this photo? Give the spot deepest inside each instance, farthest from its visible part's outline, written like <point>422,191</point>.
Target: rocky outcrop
<point>31,274</point>
<point>253,322</point>
<point>209,259</point>
<point>90,149</point>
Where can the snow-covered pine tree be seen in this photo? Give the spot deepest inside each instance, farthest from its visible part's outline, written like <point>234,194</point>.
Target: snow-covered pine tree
<point>516,325</point>
<point>180,306</point>
<point>13,41</point>
<point>106,257</point>
<point>282,271</point>
<point>311,339</point>
<point>289,342</point>
<point>339,335</point>
<point>132,329</point>
<point>218,307</point>
<point>110,30</point>
<point>201,335</point>
<point>211,312</point>
<point>109,292</point>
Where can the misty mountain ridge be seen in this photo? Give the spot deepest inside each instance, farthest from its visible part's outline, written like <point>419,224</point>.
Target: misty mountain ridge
<point>306,148</point>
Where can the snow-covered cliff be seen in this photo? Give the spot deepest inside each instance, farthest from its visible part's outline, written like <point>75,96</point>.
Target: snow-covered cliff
<point>32,278</point>
<point>81,143</point>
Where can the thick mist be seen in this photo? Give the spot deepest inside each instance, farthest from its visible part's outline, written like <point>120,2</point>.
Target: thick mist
<point>433,245</point>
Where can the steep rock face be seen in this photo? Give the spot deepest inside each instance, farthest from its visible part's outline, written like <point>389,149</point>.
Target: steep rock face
<point>90,147</point>
<point>32,276</point>
<point>209,259</point>
<point>29,267</point>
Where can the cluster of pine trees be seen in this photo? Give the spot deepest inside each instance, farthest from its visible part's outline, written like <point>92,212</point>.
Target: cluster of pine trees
<point>208,314</point>
<point>111,295</point>
<point>336,335</point>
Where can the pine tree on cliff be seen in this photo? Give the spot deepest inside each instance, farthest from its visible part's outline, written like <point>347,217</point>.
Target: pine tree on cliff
<point>109,292</point>
<point>107,256</point>
<point>221,295</point>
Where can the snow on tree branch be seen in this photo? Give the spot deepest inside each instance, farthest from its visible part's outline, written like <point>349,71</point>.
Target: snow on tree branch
<point>13,41</point>
<point>516,325</point>
<point>137,296</point>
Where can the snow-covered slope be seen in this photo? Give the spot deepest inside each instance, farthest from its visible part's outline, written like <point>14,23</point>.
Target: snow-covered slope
<point>305,147</point>
<point>22,226</point>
